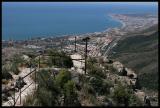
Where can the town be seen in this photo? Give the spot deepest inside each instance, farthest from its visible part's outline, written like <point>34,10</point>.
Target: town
<point>99,44</point>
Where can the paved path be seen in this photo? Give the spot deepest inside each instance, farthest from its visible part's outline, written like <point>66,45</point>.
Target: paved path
<point>79,64</point>
<point>29,90</point>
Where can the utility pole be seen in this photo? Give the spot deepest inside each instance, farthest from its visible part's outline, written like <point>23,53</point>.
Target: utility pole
<point>75,45</point>
<point>61,43</point>
<point>14,97</point>
<point>86,40</point>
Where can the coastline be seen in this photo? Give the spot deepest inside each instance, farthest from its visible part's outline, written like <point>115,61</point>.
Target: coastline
<point>79,34</point>
<point>116,19</point>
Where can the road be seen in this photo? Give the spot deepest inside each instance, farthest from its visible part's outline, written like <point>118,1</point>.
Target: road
<point>110,46</point>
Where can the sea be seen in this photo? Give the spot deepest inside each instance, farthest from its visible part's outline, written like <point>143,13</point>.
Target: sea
<point>25,20</point>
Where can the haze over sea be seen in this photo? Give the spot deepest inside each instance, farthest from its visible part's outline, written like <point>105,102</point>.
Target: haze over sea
<point>36,19</point>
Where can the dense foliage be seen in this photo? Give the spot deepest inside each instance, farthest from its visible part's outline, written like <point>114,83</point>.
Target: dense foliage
<point>56,91</point>
<point>59,59</point>
<point>6,74</point>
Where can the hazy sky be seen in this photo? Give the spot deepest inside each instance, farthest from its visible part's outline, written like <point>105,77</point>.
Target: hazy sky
<point>127,3</point>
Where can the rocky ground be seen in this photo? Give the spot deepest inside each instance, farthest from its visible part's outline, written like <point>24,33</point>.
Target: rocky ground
<point>28,80</point>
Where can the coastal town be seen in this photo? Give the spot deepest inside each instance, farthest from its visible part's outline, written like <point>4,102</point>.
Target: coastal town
<point>99,45</point>
<point>99,41</point>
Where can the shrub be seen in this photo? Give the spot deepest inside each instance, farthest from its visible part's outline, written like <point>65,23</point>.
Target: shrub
<point>6,74</point>
<point>92,60</point>
<point>134,101</point>
<point>14,68</point>
<point>112,69</point>
<point>106,85</point>
<point>4,81</point>
<point>67,62</point>
<point>60,59</point>
<point>43,77</point>
<point>70,94</point>
<point>121,95</point>
<point>97,84</point>
<point>45,97</point>
<point>31,100</point>
<point>94,70</point>
<point>62,78</point>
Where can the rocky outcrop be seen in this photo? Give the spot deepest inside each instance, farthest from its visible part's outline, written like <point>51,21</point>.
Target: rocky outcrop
<point>131,74</point>
<point>106,60</point>
<point>120,68</point>
<point>130,77</point>
<point>20,83</point>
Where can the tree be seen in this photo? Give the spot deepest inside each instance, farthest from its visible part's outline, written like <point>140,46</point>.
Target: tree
<point>67,62</point>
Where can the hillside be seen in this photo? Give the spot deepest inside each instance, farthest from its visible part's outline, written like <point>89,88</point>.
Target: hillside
<point>140,52</point>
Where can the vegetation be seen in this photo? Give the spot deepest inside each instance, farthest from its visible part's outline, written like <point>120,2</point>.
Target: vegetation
<point>31,100</point>
<point>17,61</point>
<point>95,70</point>
<point>121,95</point>
<point>14,68</point>
<point>6,74</point>
<point>100,86</point>
<point>70,96</point>
<point>62,78</point>
<point>52,90</point>
<point>140,53</point>
<point>59,59</point>
<point>61,90</point>
<point>124,96</point>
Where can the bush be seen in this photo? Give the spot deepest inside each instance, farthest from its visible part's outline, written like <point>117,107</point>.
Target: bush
<point>97,84</point>
<point>92,60</point>
<point>45,97</point>
<point>112,69</point>
<point>121,95</point>
<point>134,101</point>
<point>106,85</point>
<point>70,94</point>
<point>14,68</point>
<point>62,78</point>
<point>31,100</point>
<point>47,89</point>
<point>95,70</point>
<point>59,59</point>
<point>17,59</point>
<point>6,74</point>
<point>43,78</point>
<point>67,62</point>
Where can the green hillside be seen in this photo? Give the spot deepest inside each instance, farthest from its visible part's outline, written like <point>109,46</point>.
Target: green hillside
<point>140,53</point>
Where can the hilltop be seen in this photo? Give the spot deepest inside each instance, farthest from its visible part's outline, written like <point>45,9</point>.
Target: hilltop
<point>60,80</point>
<point>140,52</point>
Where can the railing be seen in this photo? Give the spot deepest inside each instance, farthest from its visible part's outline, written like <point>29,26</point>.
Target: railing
<point>15,100</point>
<point>20,89</point>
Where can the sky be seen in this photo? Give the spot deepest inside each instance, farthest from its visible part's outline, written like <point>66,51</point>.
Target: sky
<point>127,3</point>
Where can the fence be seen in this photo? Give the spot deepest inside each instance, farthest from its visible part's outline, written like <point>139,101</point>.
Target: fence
<point>20,80</point>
